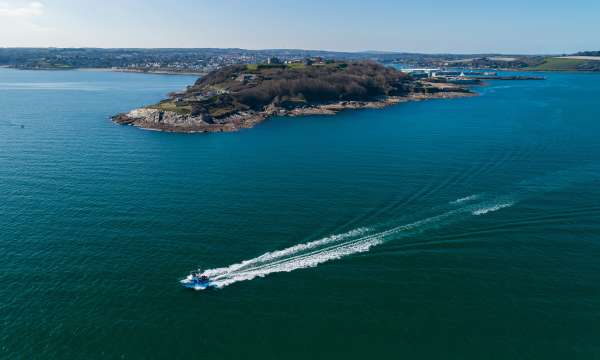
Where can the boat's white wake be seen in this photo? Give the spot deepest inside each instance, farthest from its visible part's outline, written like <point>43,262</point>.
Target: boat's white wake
<point>487,209</point>
<point>363,239</point>
<point>335,247</point>
<point>465,199</point>
<point>276,256</point>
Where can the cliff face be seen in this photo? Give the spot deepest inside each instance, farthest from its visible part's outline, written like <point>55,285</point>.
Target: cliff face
<point>161,120</point>
<point>154,119</point>
<point>241,96</point>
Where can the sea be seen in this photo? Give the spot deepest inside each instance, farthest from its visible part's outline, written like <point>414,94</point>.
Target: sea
<point>444,229</point>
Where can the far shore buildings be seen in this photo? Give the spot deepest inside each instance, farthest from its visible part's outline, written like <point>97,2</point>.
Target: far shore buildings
<point>445,73</point>
<point>294,61</point>
<point>305,61</point>
<point>274,61</point>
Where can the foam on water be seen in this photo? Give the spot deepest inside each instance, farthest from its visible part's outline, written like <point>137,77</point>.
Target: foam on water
<point>300,262</point>
<point>334,247</point>
<point>363,239</point>
<point>465,199</point>
<point>488,209</point>
<point>275,255</point>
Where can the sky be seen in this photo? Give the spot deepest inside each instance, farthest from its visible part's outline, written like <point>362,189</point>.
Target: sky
<point>429,26</point>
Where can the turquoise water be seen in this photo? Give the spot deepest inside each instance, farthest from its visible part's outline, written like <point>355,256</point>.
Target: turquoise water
<point>447,229</point>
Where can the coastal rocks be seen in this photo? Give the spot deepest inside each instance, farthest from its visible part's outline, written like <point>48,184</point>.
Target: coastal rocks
<point>155,119</point>
<point>171,121</point>
<point>334,108</point>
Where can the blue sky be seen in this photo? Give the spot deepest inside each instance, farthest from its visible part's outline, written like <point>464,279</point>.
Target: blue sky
<point>458,26</point>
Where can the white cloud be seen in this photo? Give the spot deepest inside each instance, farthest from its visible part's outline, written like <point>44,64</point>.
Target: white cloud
<point>24,23</point>
<point>20,10</point>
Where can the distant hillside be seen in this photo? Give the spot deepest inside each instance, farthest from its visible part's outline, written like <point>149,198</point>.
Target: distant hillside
<point>496,62</point>
<point>198,60</point>
<point>569,63</point>
<point>588,53</point>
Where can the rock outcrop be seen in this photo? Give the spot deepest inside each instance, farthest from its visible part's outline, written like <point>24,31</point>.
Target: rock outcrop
<point>170,121</point>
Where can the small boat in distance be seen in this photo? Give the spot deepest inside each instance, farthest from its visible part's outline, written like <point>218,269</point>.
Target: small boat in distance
<point>197,281</point>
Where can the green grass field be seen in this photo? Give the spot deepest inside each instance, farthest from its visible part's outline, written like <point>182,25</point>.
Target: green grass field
<point>171,106</point>
<point>558,64</point>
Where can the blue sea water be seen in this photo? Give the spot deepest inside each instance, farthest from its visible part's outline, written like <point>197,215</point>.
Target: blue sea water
<point>446,229</point>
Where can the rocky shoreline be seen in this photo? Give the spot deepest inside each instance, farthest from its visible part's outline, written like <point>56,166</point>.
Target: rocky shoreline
<point>171,121</point>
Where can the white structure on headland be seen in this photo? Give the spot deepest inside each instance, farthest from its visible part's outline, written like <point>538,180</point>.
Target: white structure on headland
<point>428,71</point>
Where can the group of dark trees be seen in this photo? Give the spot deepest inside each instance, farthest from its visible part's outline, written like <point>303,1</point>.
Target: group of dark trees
<point>322,83</point>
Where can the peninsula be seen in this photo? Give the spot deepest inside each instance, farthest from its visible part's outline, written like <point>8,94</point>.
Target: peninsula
<point>241,96</point>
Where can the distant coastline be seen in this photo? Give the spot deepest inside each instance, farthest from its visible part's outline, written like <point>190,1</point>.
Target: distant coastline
<point>203,60</point>
<point>144,71</point>
<point>137,71</point>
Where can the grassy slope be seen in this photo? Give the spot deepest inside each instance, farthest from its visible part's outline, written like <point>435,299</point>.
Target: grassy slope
<point>556,64</point>
<point>172,106</point>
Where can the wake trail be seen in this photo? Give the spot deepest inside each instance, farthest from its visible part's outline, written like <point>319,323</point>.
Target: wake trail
<point>362,239</point>
<point>334,247</point>
<point>271,257</point>
<point>465,199</point>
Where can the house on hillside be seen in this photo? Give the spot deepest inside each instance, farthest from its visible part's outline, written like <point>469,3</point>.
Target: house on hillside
<point>245,78</point>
